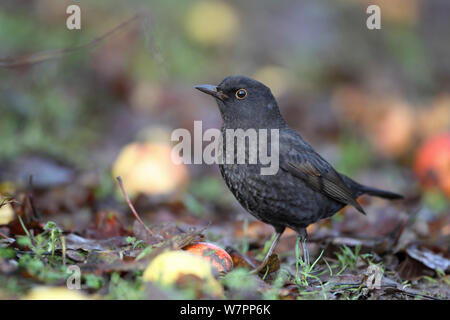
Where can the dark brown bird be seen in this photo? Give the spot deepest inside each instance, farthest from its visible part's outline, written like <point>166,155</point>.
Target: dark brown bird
<point>305,189</point>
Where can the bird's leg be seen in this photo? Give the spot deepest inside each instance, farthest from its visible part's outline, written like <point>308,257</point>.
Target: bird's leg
<point>305,250</point>
<point>263,264</point>
<point>303,236</point>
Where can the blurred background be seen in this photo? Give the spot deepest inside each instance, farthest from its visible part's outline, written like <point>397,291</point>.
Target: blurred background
<point>375,103</point>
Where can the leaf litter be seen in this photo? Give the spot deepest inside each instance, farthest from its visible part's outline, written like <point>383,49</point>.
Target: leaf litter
<point>116,245</point>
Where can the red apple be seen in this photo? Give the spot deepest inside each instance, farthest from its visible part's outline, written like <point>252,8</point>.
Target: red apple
<point>215,255</point>
<point>432,163</point>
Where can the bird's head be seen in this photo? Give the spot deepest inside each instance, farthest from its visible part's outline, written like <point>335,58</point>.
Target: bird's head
<point>245,101</point>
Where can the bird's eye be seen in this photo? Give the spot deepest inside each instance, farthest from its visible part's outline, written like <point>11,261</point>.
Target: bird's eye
<point>241,94</point>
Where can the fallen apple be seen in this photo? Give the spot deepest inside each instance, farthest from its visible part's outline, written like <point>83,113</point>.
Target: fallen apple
<point>54,293</point>
<point>219,259</point>
<point>6,212</point>
<point>170,267</point>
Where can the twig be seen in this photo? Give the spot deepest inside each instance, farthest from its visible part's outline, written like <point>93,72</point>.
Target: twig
<point>119,179</point>
<point>31,200</point>
<point>415,294</point>
<point>24,228</point>
<point>37,57</point>
<point>152,47</point>
<point>63,247</point>
<point>410,293</point>
<point>4,236</point>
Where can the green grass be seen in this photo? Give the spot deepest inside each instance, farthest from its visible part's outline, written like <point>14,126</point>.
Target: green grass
<point>277,284</point>
<point>122,289</point>
<point>135,243</point>
<point>239,279</point>
<point>45,242</point>
<point>305,270</point>
<point>244,239</point>
<point>348,258</point>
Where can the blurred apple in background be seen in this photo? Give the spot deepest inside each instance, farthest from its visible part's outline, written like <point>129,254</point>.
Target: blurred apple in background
<point>212,23</point>
<point>435,118</point>
<point>432,163</point>
<point>393,129</point>
<point>148,168</point>
<point>278,79</point>
<point>388,122</point>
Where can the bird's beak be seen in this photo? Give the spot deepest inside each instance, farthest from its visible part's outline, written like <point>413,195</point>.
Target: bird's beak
<point>211,90</point>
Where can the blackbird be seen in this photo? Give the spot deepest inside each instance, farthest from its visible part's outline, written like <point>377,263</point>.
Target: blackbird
<point>305,189</point>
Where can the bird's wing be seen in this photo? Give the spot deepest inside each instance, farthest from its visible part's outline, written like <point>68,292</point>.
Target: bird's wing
<point>299,159</point>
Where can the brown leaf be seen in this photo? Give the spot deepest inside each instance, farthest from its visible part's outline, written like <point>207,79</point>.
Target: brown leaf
<point>429,258</point>
<point>411,269</point>
<point>166,231</point>
<point>239,260</point>
<point>107,225</point>
<point>273,264</point>
<point>75,242</point>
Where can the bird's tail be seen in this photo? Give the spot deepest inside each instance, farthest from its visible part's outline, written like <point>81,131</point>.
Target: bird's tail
<point>359,189</point>
<point>380,193</point>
